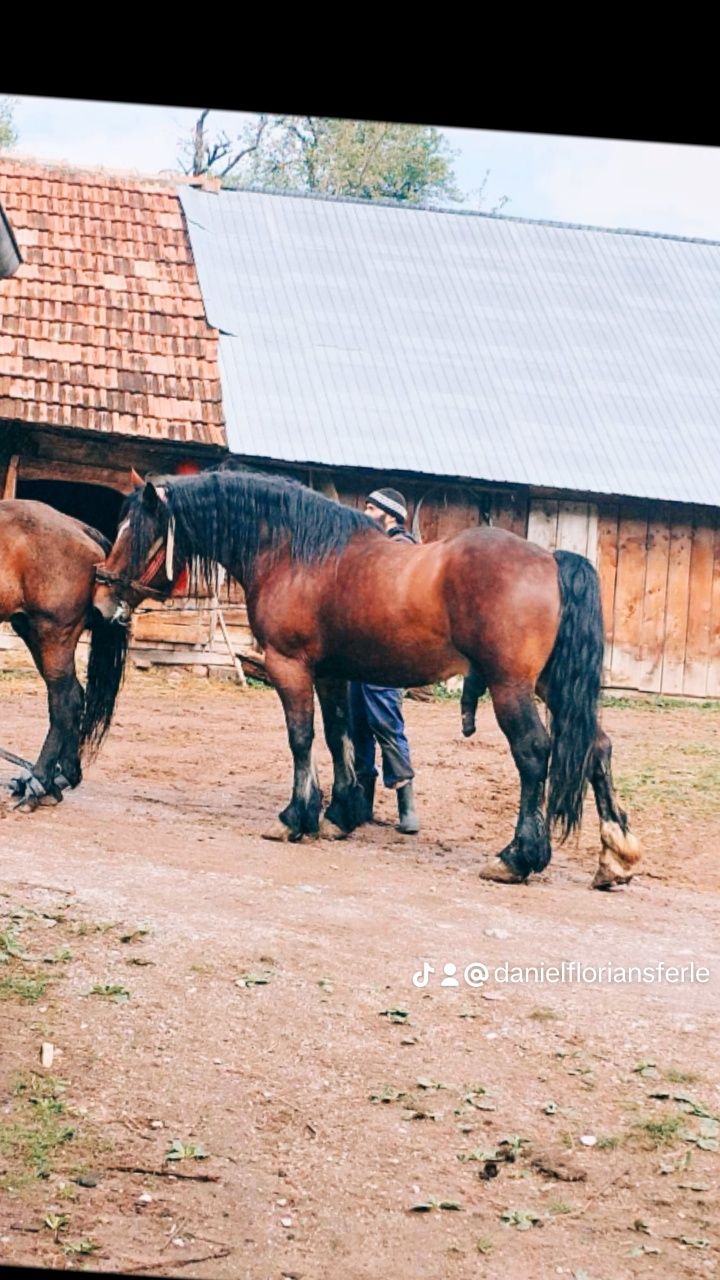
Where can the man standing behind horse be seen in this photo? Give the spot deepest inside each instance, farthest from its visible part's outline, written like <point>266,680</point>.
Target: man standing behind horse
<point>376,711</point>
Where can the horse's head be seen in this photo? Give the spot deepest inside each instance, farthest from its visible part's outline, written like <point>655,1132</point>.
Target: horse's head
<point>141,561</point>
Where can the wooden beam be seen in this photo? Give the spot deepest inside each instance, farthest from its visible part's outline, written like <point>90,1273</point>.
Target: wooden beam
<point>236,661</point>
<point>10,486</point>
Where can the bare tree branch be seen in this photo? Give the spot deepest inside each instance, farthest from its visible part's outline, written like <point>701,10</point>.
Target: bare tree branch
<point>248,150</point>
<point>199,143</point>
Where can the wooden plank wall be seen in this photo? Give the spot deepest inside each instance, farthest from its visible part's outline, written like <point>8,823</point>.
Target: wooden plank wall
<point>566,526</point>
<point>663,569</point>
<point>659,567</point>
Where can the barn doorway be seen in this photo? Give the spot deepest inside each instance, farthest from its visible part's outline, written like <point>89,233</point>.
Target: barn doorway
<point>95,504</point>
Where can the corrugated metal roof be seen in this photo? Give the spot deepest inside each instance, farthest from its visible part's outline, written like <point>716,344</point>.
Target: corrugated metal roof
<point>362,335</point>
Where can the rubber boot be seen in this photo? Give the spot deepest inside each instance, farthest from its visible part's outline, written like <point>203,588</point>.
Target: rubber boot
<point>409,823</point>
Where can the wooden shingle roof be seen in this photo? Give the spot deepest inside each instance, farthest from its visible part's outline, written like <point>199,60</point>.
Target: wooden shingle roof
<point>103,328</point>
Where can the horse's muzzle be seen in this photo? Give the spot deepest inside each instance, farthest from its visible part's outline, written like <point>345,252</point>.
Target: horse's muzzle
<point>110,608</point>
<point>122,614</point>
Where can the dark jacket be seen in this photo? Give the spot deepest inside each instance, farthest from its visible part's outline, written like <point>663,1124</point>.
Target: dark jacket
<point>401,533</point>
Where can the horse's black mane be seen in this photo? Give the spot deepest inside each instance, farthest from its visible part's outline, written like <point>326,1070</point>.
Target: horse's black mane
<point>226,517</point>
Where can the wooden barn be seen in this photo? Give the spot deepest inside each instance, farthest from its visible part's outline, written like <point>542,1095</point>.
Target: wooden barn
<point>561,381</point>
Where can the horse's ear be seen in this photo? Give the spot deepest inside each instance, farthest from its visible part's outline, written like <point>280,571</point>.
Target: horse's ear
<point>153,495</point>
<point>150,497</point>
<point>137,480</point>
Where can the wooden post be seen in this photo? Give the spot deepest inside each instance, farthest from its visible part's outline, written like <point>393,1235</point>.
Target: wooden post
<point>236,661</point>
<point>10,485</point>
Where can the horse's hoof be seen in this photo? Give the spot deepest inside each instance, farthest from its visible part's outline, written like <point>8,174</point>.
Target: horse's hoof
<point>27,805</point>
<point>278,831</point>
<point>330,831</point>
<point>619,857</point>
<point>605,879</point>
<point>50,799</point>
<point>501,873</point>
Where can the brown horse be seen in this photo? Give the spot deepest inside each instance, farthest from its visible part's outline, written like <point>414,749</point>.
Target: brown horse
<point>332,599</point>
<point>47,575</point>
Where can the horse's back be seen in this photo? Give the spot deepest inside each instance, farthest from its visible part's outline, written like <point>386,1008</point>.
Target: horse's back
<point>46,559</point>
<point>30,518</point>
<point>494,540</point>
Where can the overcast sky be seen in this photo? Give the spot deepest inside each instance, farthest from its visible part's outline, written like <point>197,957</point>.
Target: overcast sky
<point>644,186</point>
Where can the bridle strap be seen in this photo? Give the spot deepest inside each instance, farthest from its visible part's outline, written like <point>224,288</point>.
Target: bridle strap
<point>156,561</point>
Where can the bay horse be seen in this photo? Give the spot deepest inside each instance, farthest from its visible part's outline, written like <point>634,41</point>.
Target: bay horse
<point>332,599</point>
<point>47,575</point>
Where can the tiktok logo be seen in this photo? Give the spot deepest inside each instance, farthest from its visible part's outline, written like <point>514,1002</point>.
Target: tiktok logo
<point>422,977</point>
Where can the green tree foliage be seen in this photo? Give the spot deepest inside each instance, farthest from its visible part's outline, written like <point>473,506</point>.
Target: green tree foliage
<point>367,159</point>
<point>8,132</point>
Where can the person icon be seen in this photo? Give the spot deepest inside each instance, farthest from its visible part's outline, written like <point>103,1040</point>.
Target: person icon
<point>449,980</point>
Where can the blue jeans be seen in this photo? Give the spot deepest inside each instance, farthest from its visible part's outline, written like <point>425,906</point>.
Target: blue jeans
<point>376,716</point>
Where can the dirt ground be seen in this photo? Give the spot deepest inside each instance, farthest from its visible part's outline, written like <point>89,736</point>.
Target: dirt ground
<point>249,1008</point>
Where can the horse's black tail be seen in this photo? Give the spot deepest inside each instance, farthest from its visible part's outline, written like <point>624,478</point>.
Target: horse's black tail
<point>106,668</point>
<point>572,681</point>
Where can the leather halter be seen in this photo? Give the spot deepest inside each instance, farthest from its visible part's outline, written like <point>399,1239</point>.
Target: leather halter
<point>141,584</point>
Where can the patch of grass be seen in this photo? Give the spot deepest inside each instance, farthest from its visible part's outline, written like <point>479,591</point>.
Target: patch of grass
<point>442,694</point>
<point>38,1131</point>
<point>56,1222</point>
<point>660,702</point>
<point>40,1136</point>
<point>61,956</point>
<point>81,1247</point>
<point>662,1132</point>
<point>543,1015</point>
<point>521,1219</point>
<point>681,1077</point>
<point>253,980</point>
<point>607,1143</point>
<point>135,935</point>
<point>185,1151</point>
<point>109,991</point>
<point>10,947</point>
<point>560,1206</point>
<point>28,988</point>
<point>427,1206</point>
<point>84,927</point>
<point>21,675</point>
<point>661,784</point>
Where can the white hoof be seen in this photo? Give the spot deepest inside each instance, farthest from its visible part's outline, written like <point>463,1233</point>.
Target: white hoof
<point>330,831</point>
<point>279,832</point>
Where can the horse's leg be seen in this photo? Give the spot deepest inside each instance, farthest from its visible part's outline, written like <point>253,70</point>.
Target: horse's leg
<point>529,849</point>
<point>53,651</point>
<point>348,806</point>
<point>620,848</point>
<point>294,683</point>
<point>473,689</point>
